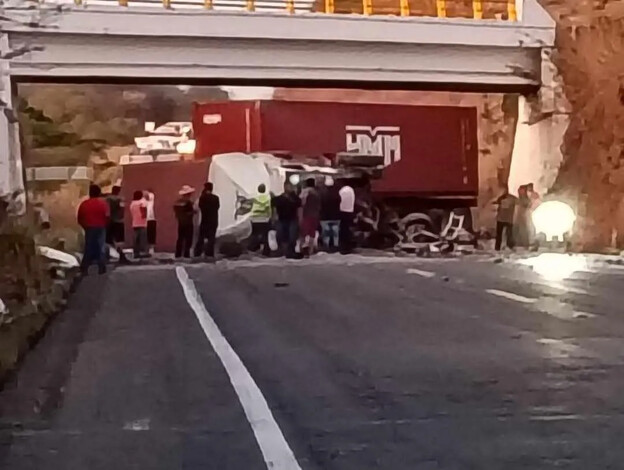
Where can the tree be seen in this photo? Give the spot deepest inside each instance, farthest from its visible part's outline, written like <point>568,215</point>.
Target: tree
<point>15,13</point>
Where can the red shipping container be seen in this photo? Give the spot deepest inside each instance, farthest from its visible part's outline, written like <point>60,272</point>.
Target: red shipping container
<point>165,179</point>
<point>430,151</point>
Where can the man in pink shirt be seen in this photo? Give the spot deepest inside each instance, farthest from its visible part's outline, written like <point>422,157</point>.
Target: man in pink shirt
<point>138,213</point>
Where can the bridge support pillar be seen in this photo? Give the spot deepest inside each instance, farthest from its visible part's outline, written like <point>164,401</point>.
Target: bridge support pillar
<point>12,187</point>
<point>543,119</point>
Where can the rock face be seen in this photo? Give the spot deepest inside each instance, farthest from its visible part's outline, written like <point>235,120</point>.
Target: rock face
<point>590,40</point>
<point>542,122</point>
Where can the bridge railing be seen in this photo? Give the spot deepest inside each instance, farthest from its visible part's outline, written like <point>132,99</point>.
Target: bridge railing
<point>476,9</point>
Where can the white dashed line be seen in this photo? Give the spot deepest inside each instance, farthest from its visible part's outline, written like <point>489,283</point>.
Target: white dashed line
<point>138,425</point>
<point>548,306</point>
<point>275,450</point>
<point>511,296</point>
<point>427,274</point>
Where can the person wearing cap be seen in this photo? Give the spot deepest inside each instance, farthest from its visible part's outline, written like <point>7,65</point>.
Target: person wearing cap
<point>184,213</point>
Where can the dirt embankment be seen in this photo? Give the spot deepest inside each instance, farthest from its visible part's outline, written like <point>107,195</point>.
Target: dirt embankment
<point>590,44</point>
<point>29,293</point>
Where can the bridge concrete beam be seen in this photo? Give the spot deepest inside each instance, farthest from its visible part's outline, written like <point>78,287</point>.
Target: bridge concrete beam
<point>265,60</point>
<point>535,30</point>
<point>266,46</point>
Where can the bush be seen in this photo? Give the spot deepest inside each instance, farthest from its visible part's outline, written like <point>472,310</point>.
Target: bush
<point>28,291</point>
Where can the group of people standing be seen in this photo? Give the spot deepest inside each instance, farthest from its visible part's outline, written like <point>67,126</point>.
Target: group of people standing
<point>297,217</point>
<point>103,221</point>
<point>513,219</point>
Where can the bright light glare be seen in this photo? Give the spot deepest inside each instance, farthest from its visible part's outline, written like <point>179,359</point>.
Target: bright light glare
<point>187,147</point>
<point>553,219</point>
<point>556,266</point>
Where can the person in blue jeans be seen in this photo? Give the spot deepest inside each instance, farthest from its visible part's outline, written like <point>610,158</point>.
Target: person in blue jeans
<point>330,215</point>
<point>286,207</point>
<point>93,215</point>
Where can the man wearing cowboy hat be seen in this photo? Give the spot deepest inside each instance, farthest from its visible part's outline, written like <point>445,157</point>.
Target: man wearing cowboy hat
<point>184,212</point>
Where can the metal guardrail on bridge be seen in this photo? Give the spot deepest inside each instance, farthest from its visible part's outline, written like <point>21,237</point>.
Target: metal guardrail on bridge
<point>494,9</point>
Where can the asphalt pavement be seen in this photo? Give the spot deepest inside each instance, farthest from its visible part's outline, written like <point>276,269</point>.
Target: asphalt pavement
<point>344,363</point>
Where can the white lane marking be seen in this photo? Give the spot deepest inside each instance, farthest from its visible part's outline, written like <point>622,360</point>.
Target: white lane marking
<point>551,307</point>
<point>419,272</point>
<point>511,296</point>
<point>138,425</point>
<point>275,450</point>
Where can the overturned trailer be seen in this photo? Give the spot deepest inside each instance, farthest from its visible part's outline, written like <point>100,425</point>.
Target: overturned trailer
<point>430,156</point>
<point>236,177</point>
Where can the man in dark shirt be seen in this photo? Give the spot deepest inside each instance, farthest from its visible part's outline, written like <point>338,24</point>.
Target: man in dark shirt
<point>115,232</point>
<point>286,207</point>
<point>209,209</point>
<point>310,216</point>
<point>505,219</point>
<point>184,212</point>
<point>330,215</point>
<point>93,218</point>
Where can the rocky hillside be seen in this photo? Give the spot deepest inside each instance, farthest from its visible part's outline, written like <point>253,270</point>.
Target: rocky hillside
<point>590,40</point>
<point>83,119</point>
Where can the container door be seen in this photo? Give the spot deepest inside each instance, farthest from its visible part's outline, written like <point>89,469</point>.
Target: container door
<point>223,127</point>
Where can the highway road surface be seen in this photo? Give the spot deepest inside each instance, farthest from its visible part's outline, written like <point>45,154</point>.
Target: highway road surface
<point>337,363</point>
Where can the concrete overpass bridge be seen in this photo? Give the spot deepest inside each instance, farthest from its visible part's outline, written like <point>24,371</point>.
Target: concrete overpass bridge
<point>367,44</point>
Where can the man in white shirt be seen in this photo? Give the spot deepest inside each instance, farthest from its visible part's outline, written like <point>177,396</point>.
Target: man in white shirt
<point>347,208</point>
<point>151,220</point>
